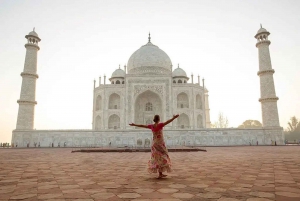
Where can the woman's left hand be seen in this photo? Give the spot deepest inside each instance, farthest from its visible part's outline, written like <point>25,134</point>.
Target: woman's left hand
<point>175,116</point>
<point>132,124</point>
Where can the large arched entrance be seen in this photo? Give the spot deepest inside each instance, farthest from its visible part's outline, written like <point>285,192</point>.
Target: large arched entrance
<point>147,105</point>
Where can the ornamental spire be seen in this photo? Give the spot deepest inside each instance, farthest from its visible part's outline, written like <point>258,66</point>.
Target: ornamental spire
<point>149,38</point>
<point>260,25</point>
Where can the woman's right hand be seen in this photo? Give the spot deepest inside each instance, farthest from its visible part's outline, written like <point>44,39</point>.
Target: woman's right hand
<point>132,124</point>
<point>175,116</point>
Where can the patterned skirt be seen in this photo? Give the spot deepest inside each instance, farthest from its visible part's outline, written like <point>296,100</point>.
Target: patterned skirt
<point>160,160</point>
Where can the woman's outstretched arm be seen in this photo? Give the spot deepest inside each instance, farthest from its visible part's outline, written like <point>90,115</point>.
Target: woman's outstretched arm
<point>142,126</point>
<point>170,120</point>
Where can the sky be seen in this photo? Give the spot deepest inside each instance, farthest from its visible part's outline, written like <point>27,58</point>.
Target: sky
<point>82,40</point>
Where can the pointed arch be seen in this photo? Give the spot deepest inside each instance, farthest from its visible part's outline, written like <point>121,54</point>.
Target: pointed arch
<point>183,121</point>
<point>198,102</point>
<point>199,121</point>
<point>182,100</point>
<point>98,103</point>
<point>114,101</point>
<point>98,123</point>
<point>118,82</point>
<point>147,104</point>
<point>114,122</point>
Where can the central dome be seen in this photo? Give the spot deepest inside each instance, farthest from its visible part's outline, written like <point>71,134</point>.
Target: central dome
<point>149,59</point>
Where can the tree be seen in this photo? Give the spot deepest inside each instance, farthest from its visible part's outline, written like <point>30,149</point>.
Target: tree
<point>293,124</point>
<point>250,124</point>
<point>221,123</point>
<point>293,131</point>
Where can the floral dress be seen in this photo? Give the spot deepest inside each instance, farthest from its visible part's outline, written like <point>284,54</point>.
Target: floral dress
<point>160,160</point>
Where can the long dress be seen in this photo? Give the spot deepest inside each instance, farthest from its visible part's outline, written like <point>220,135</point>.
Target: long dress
<point>160,160</point>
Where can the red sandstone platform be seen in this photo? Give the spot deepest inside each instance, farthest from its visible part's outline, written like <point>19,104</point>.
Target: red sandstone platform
<point>251,173</point>
<point>128,149</point>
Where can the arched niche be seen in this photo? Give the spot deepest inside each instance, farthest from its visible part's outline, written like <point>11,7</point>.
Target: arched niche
<point>182,100</point>
<point>114,101</point>
<point>199,121</point>
<point>98,102</point>
<point>183,121</point>
<point>98,123</point>
<point>114,122</point>
<point>118,82</point>
<point>147,104</point>
<point>198,102</point>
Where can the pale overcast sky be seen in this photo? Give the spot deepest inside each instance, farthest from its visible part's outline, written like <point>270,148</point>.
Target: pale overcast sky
<point>82,40</point>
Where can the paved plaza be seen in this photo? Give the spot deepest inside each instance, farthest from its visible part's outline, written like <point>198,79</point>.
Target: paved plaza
<point>222,173</point>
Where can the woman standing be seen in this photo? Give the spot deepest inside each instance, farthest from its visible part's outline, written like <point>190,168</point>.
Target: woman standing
<point>160,161</point>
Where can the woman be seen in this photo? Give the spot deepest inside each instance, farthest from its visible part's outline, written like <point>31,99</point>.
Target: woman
<point>160,161</point>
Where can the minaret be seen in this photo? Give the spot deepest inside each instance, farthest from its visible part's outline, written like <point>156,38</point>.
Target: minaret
<point>268,96</point>
<point>207,110</point>
<point>27,98</point>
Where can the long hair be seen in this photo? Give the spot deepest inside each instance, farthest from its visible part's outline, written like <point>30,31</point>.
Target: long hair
<point>156,118</point>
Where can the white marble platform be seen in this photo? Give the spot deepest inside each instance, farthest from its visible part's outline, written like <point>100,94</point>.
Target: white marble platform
<point>141,137</point>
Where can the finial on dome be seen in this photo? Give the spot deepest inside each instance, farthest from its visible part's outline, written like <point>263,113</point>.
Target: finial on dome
<point>119,66</point>
<point>178,66</point>
<point>149,38</point>
<point>260,25</point>
<point>33,28</point>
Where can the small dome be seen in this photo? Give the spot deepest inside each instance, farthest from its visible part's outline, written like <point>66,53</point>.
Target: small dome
<point>262,30</point>
<point>118,73</point>
<point>179,72</point>
<point>33,33</point>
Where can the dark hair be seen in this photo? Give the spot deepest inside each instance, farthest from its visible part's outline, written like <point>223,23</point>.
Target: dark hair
<point>156,118</point>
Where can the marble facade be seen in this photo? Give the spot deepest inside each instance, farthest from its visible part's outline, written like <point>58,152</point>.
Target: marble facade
<point>143,137</point>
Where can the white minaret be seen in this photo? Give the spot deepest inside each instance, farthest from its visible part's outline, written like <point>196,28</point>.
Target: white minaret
<point>268,96</point>
<point>207,110</point>
<point>27,98</point>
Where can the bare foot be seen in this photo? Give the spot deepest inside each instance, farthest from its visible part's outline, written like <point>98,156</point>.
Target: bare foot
<point>161,176</point>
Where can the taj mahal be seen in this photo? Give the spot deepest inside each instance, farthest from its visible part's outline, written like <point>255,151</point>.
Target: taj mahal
<point>149,84</point>
<point>147,89</point>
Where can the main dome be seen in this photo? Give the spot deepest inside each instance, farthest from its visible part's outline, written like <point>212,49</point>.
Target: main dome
<point>149,59</point>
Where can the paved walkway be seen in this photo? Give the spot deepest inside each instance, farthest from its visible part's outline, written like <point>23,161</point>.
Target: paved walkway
<point>222,173</point>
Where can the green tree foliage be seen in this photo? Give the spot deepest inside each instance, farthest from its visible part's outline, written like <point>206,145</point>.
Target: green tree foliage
<point>250,124</point>
<point>293,130</point>
<point>221,123</point>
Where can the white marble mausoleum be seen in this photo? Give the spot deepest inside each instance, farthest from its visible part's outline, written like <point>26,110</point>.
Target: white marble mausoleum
<point>148,85</point>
